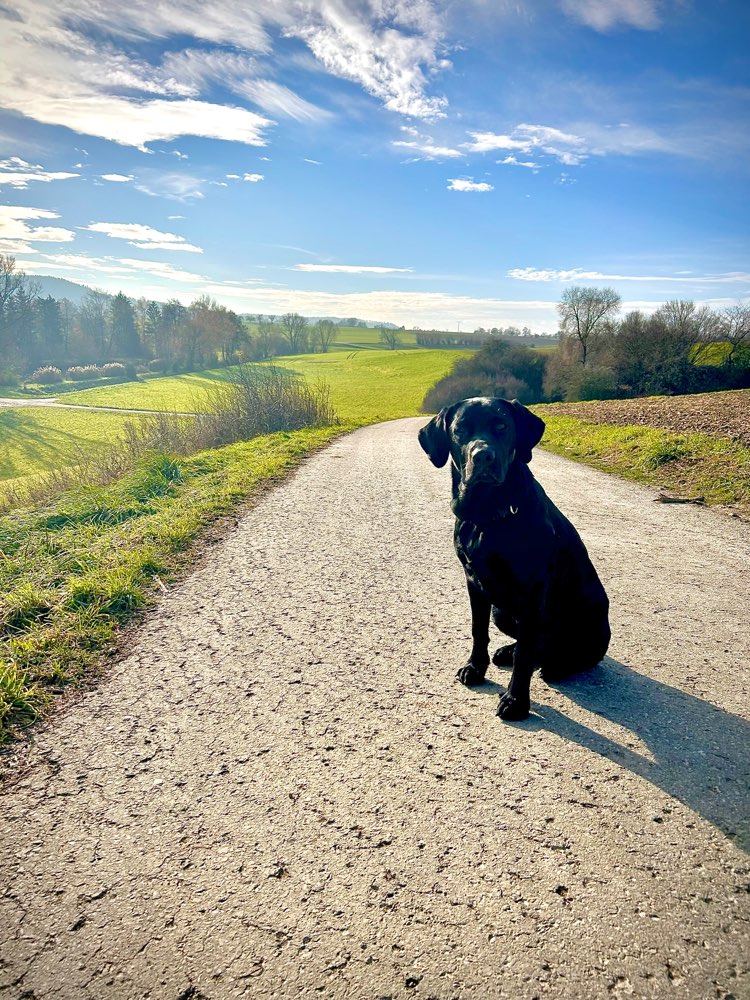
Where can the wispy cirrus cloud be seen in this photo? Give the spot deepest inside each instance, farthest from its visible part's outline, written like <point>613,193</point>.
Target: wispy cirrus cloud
<point>142,237</point>
<point>572,148</point>
<point>16,235</point>
<point>17,173</point>
<point>579,274</point>
<point>606,15</point>
<point>172,185</point>
<point>352,269</point>
<point>118,267</point>
<point>467,184</point>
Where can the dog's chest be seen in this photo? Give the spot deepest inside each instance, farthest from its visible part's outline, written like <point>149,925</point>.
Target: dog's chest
<point>493,561</point>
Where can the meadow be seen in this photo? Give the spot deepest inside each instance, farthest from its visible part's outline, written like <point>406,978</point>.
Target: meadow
<point>366,386</point>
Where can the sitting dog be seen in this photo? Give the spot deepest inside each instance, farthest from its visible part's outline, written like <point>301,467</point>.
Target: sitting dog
<point>525,563</point>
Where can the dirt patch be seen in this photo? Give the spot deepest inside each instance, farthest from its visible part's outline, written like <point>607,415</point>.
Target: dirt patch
<point>720,414</point>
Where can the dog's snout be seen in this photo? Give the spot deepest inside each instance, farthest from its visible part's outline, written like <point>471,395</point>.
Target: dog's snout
<point>482,455</point>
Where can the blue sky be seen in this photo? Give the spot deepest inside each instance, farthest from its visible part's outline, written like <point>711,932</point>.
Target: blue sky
<point>424,162</point>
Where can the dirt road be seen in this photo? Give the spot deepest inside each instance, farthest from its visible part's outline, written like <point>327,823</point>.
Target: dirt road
<point>281,792</point>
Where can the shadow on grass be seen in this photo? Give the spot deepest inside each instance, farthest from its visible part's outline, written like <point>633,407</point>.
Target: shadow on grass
<point>34,444</point>
<point>701,753</point>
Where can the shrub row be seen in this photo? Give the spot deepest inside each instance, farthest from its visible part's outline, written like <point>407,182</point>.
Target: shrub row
<point>78,373</point>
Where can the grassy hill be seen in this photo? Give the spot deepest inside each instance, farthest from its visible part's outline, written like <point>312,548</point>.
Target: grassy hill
<point>365,385</point>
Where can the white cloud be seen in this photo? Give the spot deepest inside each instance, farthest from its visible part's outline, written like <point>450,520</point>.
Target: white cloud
<point>351,269</point>
<point>579,274</point>
<point>316,163</point>
<point>604,15</point>
<point>512,161</point>
<point>253,178</point>
<point>143,237</point>
<point>568,148</point>
<point>117,178</point>
<point>572,148</point>
<point>424,148</point>
<point>17,173</point>
<point>464,184</point>
<point>59,76</point>
<point>388,62</point>
<point>174,186</point>
<point>73,64</point>
<point>16,235</point>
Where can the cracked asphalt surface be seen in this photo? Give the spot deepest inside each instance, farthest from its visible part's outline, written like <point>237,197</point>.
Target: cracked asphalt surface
<point>281,791</point>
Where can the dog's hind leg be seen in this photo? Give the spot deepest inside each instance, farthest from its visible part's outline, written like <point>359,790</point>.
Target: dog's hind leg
<point>503,656</point>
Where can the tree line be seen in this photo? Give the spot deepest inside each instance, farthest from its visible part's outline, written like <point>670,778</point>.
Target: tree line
<point>41,332</point>
<point>680,348</point>
<point>481,336</point>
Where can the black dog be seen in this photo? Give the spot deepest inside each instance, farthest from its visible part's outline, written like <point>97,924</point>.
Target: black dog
<point>524,561</point>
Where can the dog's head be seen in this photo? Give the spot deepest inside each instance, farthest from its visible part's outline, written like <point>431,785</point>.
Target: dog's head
<point>484,437</point>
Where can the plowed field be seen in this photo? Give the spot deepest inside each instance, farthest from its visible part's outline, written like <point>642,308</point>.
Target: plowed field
<point>721,414</point>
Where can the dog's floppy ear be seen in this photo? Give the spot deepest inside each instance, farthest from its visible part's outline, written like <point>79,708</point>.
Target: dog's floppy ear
<point>434,437</point>
<point>529,430</point>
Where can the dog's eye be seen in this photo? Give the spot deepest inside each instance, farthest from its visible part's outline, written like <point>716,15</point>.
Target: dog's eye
<point>499,426</point>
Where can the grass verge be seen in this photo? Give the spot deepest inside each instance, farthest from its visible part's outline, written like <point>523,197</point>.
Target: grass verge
<point>716,468</point>
<point>73,571</point>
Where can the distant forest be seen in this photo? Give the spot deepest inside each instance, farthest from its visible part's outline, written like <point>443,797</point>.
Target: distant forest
<point>51,336</point>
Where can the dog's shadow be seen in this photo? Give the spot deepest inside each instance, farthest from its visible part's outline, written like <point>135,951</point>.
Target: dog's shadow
<point>699,753</point>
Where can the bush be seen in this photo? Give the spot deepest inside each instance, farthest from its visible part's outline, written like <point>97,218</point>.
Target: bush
<point>79,373</point>
<point>263,399</point>
<point>157,365</point>
<point>9,377</point>
<point>453,388</point>
<point>114,369</point>
<point>259,399</point>
<point>598,383</point>
<point>46,375</point>
<point>498,369</point>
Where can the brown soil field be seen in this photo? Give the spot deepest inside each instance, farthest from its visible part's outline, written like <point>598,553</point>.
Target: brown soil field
<point>721,414</point>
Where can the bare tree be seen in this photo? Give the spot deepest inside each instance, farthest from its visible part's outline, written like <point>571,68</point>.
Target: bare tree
<point>585,314</point>
<point>294,331</point>
<point>689,327</point>
<point>734,330</point>
<point>390,338</point>
<point>324,334</point>
<point>268,335</point>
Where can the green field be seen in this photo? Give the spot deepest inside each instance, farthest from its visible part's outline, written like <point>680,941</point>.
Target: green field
<point>365,386</point>
<point>35,439</point>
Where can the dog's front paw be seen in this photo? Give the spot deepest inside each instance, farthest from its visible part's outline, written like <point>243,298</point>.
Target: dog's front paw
<point>513,709</point>
<point>471,675</point>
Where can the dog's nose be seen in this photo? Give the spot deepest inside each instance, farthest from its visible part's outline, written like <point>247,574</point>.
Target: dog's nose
<point>482,455</point>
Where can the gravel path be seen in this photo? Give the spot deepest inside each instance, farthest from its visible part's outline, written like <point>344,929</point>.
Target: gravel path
<point>51,403</point>
<point>282,793</point>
